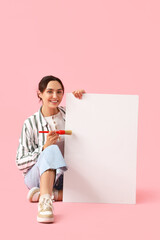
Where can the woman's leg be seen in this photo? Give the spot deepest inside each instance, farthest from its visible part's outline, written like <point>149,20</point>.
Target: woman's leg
<point>47,181</point>
<point>46,184</point>
<point>42,174</point>
<point>60,195</point>
<point>50,159</point>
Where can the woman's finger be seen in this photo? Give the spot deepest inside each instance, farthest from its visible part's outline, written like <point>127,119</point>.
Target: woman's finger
<point>55,136</point>
<point>78,94</point>
<point>51,133</point>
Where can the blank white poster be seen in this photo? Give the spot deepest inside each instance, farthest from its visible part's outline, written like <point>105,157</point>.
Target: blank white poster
<point>101,154</point>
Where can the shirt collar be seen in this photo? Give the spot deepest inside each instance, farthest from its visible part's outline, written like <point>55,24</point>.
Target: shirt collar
<point>42,119</point>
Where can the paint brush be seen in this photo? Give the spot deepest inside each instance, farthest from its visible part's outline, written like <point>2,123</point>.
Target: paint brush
<point>61,132</point>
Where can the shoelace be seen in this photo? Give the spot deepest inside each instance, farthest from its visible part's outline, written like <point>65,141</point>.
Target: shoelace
<point>46,203</point>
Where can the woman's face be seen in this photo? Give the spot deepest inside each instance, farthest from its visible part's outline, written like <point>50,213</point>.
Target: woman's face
<point>52,95</point>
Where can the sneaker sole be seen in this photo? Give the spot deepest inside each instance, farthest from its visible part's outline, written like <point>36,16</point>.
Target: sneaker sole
<point>33,192</point>
<point>45,220</point>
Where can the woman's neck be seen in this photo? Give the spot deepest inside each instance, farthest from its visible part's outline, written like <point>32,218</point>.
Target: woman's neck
<point>49,112</point>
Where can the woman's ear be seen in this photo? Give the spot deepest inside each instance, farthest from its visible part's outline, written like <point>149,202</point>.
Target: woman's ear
<point>39,94</point>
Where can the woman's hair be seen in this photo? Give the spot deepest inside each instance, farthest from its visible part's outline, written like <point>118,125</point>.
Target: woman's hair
<point>45,80</point>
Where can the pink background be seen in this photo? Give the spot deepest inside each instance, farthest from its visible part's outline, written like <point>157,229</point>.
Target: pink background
<point>101,46</point>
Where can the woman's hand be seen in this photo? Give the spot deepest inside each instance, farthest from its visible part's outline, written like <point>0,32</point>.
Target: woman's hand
<point>52,138</point>
<point>78,93</point>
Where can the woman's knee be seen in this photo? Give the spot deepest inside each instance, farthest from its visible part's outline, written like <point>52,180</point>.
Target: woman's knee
<point>52,147</point>
<point>48,158</point>
<point>48,151</point>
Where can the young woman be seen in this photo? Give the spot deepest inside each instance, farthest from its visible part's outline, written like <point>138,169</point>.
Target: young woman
<point>40,156</point>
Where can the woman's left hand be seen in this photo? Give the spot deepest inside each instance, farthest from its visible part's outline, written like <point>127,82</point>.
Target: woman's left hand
<point>78,93</point>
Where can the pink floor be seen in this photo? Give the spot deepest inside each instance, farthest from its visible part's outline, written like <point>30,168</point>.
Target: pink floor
<point>80,220</point>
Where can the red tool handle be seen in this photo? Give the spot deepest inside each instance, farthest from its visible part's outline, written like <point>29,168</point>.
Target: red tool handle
<point>60,132</point>
<point>67,132</point>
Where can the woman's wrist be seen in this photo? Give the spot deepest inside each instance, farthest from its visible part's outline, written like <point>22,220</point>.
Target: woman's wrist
<point>43,147</point>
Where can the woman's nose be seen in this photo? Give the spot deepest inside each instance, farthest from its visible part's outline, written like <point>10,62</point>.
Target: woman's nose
<point>54,95</point>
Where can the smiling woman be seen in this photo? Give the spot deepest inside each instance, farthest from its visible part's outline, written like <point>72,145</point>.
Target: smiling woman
<point>41,156</point>
<point>51,91</point>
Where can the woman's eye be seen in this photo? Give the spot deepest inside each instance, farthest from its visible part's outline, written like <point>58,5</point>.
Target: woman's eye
<point>59,92</point>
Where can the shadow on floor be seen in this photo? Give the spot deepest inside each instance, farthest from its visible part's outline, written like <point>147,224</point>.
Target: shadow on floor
<point>146,196</point>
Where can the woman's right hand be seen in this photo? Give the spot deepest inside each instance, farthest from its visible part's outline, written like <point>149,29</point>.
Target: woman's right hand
<point>52,138</point>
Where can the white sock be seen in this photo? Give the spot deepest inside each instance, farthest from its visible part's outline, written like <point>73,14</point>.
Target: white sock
<point>55,193</point>
<point>47,195</point>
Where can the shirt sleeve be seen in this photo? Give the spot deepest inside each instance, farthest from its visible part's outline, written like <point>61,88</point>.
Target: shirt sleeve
<point>27,152</point>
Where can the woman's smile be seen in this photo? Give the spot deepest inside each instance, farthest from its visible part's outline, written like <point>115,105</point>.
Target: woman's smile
<point>54,101</point>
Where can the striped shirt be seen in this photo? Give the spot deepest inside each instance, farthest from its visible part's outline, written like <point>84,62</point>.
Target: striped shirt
<point>31,142</point>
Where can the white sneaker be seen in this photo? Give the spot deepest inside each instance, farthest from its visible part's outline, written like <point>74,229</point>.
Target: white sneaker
<point>45,209</point>
<point>34,194</point>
